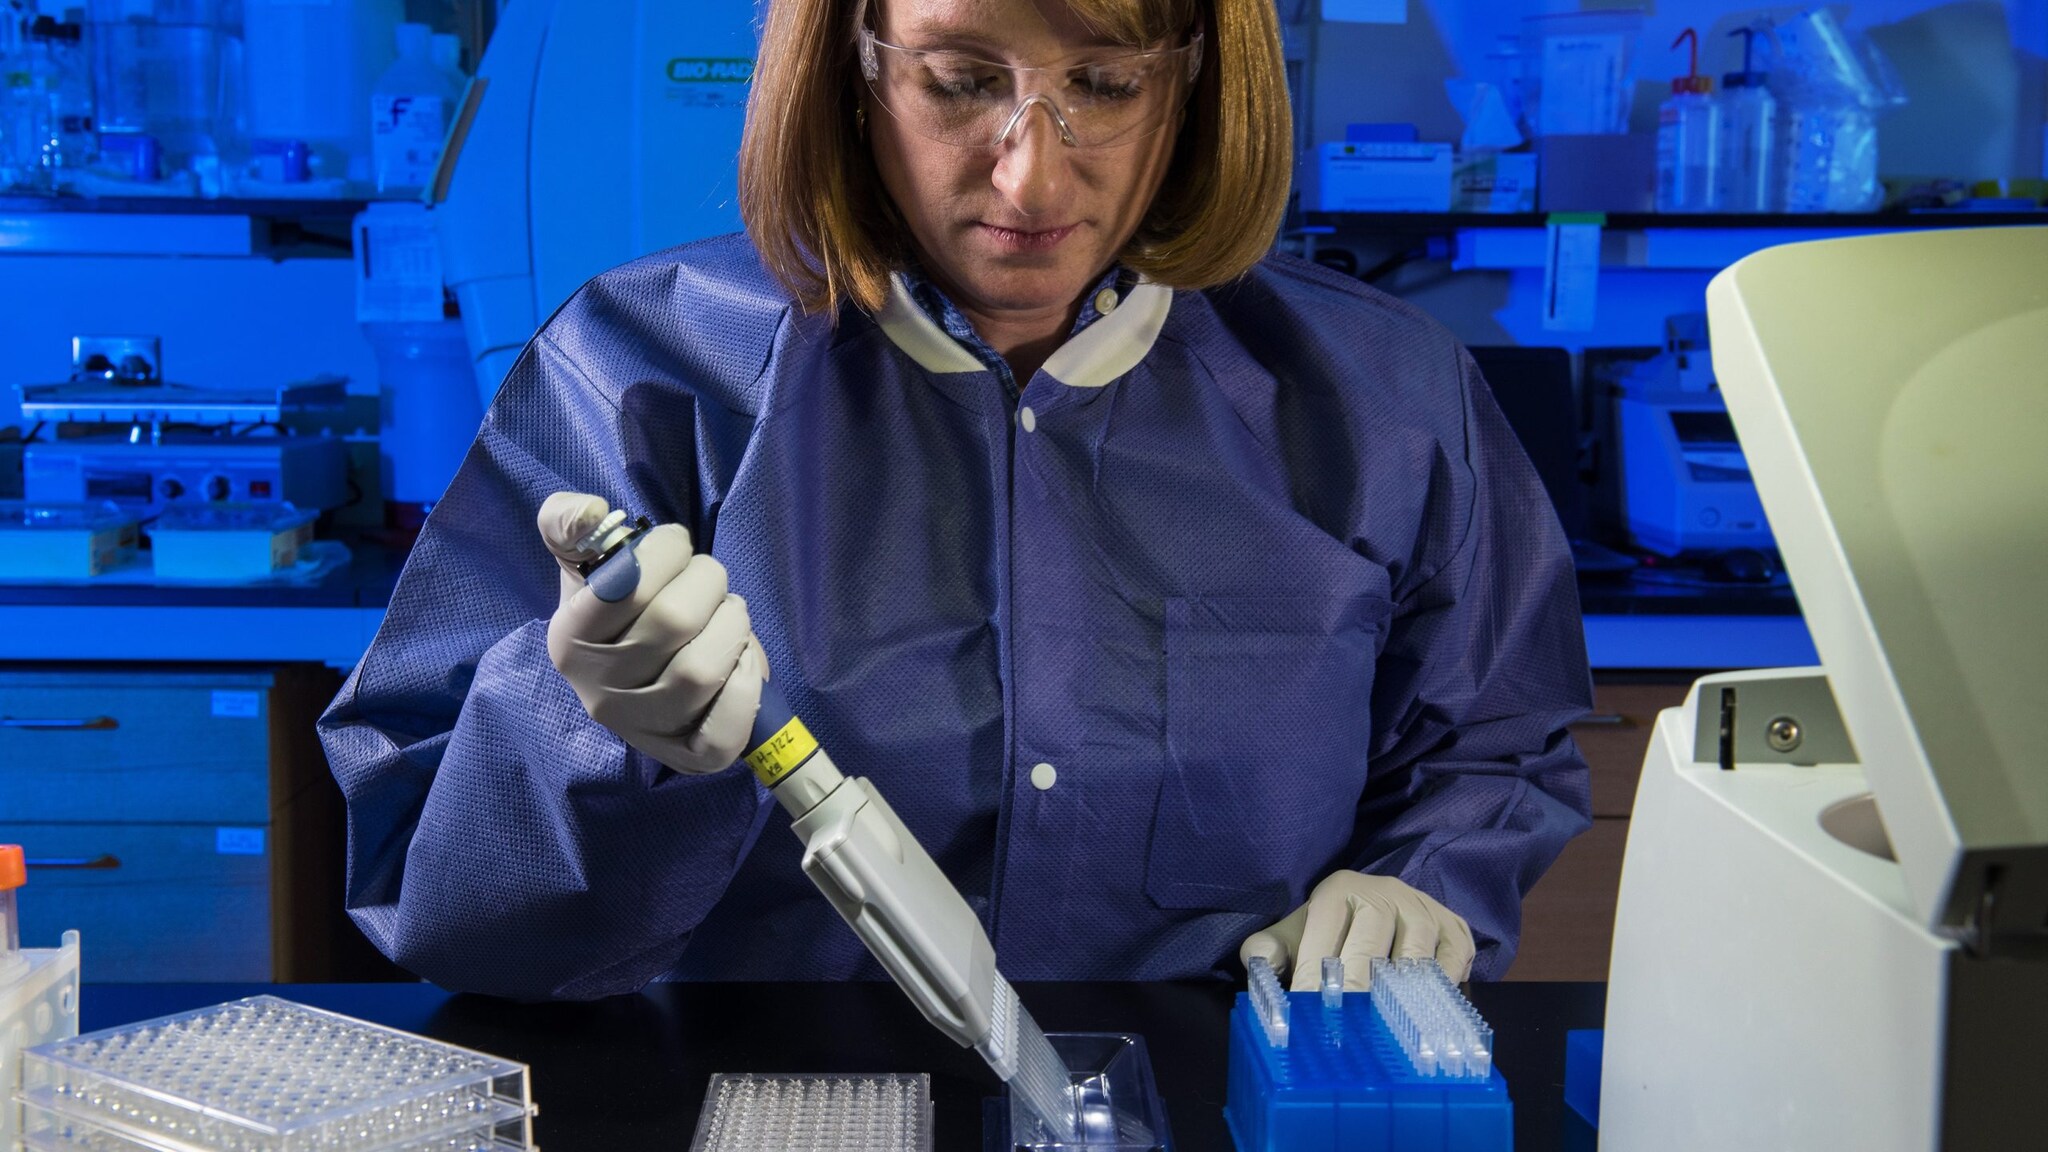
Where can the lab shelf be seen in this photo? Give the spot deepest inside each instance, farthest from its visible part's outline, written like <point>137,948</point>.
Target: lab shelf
<point>1629,622</point>
<point>1709,242</point>
<point>1448,222</point>
<point>174,226</point>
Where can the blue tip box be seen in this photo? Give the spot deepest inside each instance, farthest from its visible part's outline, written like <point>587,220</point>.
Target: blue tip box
<point>1343,1085</point>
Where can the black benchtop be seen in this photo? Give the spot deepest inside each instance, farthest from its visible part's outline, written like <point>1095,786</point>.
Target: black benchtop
<point>630,1072</point>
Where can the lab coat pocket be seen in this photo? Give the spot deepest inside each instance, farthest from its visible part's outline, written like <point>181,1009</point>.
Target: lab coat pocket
<point>1268,722</point>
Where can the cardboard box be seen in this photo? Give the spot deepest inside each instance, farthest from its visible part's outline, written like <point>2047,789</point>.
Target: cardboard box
<point>1596,173</point>
<point>1494,182</point>
<point>1379,177</point>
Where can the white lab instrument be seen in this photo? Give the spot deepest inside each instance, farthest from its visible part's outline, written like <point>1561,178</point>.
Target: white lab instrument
<point>604,130</point>
<point>1833,921</point>
<point>888,889</point>
<point>1685,482</point>
<point>269,1075</point>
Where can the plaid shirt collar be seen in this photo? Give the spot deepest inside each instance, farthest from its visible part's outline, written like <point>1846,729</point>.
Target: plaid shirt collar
<point>942,311</point>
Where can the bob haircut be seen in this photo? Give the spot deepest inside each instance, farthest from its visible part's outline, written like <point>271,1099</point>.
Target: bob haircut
<point>816,210</point>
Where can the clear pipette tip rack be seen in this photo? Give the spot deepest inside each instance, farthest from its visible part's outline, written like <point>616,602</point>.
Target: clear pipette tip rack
<point>1269,1001</point>
<point>269,1075</point>
<point>1440,1031</point>
<point>1407,1066</point>
<point>744,1112</point>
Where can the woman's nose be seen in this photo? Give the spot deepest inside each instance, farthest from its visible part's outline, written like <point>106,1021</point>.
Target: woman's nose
<point>1031,166</point>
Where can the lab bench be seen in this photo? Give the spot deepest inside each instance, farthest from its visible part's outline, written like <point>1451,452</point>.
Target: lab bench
<point>1631,621</point>
<point>630,1071</point>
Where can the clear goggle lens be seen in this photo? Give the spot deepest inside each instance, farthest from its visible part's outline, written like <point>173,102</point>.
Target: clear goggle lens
<point>968,102</point>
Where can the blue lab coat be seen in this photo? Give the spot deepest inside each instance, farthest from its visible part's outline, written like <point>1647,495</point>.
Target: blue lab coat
<point>1259,571</point>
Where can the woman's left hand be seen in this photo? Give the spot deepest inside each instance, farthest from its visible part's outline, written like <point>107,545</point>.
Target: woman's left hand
<point>1356,917</point>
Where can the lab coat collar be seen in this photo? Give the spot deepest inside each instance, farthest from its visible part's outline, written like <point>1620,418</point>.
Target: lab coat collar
<point>1091,358</point>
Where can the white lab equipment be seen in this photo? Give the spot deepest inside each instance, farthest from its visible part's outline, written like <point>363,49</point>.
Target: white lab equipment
<point>1685,481</point>
<point>1833,921</point>
<point>410,105</point>
<point>1689,140</point>
<point>604,130</point>
<point>888,889</point>
<point>307,73</point>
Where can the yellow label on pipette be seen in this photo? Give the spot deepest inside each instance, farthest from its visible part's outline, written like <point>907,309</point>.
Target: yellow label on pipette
<point>780,754</point>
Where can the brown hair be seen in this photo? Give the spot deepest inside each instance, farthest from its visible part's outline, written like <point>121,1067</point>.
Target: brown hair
<point>816,210</point>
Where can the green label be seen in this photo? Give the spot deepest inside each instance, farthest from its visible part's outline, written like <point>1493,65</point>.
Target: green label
<point>710,70</point>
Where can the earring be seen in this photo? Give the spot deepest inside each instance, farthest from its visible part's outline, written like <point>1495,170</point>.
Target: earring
<point>860,121</point>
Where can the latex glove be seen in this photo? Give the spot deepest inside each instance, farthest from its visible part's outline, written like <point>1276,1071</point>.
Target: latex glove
<point>674,669</point>
<point>1356,917</point>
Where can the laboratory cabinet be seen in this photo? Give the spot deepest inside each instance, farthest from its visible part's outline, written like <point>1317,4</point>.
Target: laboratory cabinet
<point>1568,917</point>
<point>182,819</point>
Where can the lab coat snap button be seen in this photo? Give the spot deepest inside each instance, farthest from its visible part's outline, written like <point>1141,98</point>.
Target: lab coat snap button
<point>1044,776</point>
<point>1106,301</point>
<point>1028,419</point>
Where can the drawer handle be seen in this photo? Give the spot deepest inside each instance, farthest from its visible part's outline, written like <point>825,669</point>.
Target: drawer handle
<point>100,862</point>
<point>1604,720</point>
<point>34,724</point>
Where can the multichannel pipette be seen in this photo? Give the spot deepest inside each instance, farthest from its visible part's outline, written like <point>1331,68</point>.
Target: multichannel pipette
<point>883,883</point>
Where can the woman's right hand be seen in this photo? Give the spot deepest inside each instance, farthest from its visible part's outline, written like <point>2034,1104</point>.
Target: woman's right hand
<point>673,669</point>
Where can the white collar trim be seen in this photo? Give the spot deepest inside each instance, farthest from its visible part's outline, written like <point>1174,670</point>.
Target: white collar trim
<point>907,327</point>
<point>1114,344</point>
<point>1100,353</point>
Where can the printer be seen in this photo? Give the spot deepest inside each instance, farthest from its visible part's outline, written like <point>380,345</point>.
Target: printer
<point>1833,923</point>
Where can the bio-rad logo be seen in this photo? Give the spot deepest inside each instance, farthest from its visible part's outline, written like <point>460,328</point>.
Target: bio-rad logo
<point>709,81</point>
<point>710,70</point>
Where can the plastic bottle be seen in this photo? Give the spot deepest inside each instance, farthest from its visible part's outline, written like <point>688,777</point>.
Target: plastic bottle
<point>409,109</point>
<point>16,106</point>
<point>1749,135</point>
<point>158,69</point>
<point>447,55</point>
<point>308,71</point>
<point>1830,91</point>
<point>1689,140</point>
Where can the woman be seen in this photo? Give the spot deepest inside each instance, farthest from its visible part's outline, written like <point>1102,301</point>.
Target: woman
<point>1163,586</point>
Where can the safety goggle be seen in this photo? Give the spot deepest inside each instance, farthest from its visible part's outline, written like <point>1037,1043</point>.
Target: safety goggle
<point>967,102</point>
